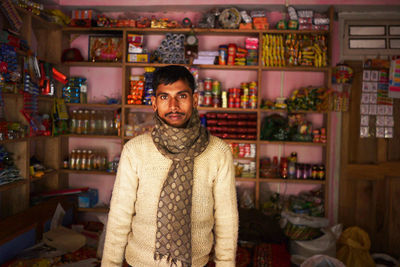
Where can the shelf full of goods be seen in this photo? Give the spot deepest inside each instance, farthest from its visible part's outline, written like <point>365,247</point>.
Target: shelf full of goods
<point>290,168</point>
<point>82,159</point>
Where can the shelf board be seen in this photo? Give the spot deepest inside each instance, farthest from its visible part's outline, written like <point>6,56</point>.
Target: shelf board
<point>294,181</point>
<point>39,97</point>
<point>226,67</point>
<point>92,136</point>
<point>40,137</point>
<point>296,31</point>
<point>39,21</point>
<point>99,209</point>
<point>9,141</point>
<point>293,111</point>
<point>241,141</point>
<point>227,109</point>
<point>201,66</point>
<point>46,98</point>
<point>93,64</point>
<point>228,31</point>
<point>296,68</point>
<point>143,65</point>
<point>243,158</point>
<point>289,143</point>
<point>92,29</point>
<point>137,106</point>
<point>46,173</point>
<point>94,172</point>
<point>11,185</point>
<point>94,105</point>
<point>187,30</point>
<point>245,179</point>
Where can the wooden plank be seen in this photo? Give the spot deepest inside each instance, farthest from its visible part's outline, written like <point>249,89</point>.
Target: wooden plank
<point>31,217</point>
<point>393,206</point>
<point>393,147</point>
<point>363,202</point>
<point>372,171</point>
<point>379,231</point>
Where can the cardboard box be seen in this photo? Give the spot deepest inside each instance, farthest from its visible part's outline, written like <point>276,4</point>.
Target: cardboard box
<point>88,199</point>
<point>135,58</point>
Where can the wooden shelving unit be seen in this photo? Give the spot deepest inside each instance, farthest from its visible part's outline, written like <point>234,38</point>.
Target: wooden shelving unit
<point>55,38</point>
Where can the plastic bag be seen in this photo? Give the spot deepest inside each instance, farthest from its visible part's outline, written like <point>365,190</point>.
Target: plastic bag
<point>324,245</point>
<point>322,261</point>
<point>353,248</point>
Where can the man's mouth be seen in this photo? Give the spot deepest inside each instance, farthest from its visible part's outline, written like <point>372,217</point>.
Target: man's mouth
<point>174,116</point>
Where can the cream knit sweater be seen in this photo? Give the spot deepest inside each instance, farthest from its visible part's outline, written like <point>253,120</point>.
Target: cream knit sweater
<point>131,226</point>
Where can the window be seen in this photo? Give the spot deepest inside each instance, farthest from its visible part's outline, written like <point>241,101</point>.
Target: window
<point>363,37</point>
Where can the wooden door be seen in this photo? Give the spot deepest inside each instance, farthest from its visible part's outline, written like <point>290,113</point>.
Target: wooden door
<point>369,195</point>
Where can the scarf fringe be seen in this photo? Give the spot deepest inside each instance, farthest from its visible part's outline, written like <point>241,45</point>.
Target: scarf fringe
<point>172,261</point>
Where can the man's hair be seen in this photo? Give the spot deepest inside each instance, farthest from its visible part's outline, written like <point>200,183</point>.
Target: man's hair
<point>172,73</point>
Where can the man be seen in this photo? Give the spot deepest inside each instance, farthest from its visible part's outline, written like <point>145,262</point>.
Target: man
<point>174,197</point>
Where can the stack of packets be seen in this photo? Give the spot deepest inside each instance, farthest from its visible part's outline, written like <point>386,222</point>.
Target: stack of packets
<point>295,50</point>
<point>234,55</point>
<point>206,57</point>
<point>257,20</point>
<point>141,88</point>
<point>136,53</point>
<point>376,108</point>
<point>305,20</point>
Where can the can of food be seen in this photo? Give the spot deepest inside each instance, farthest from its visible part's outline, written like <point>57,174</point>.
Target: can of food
<point>244,85</point>
<point>208,84</point>
<point>253,101</point>
<point>216,88</point>
<point>231,102</point>
<point>223,53</point>
<point>244,101</point>
<point>216,101</point>
<point>207,100</point>
<point>201,98</point>
<point>224,99</point>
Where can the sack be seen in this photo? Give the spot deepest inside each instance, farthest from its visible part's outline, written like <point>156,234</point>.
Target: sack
<point>302,227</point>
<point>322,261</point>
<point>353,248</point>
<point>324,245</point>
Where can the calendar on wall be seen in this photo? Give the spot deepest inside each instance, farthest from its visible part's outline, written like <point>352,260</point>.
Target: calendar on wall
<point>376,107</point>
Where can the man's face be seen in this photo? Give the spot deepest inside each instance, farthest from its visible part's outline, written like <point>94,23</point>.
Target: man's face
<point>174,103</point>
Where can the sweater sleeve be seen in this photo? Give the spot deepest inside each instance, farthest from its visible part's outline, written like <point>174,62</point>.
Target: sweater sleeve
<point>226,213</point>
<point>121,211</point>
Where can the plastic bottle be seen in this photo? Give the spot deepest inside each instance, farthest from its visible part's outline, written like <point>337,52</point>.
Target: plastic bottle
<point>78,160</point>
<point>73,122</point>
<point>86,122</point>
<point>89,161</point>
<point>84,160</point>
<point>104,123</point>
<point>111,129</point>
<point>79,122</point>
<point>103,161</point>
<point>99,122</point>
<point>72,159</point>
<point>92,122</point>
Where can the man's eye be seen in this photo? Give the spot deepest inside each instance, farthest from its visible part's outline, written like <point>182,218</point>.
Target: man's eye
<point>163,97</point>
<point>183,96</point>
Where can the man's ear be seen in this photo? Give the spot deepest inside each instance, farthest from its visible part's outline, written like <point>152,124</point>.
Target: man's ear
<point>195,100</point>
<point>153,103</point>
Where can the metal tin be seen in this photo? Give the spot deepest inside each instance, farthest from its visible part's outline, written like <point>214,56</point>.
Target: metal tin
<point>216,88</point>
<point>207,99</point>
<point>207,84</point>
<point>216,101</point>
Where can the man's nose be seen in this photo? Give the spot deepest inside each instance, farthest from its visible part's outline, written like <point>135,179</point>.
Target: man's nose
<point>174,103</point>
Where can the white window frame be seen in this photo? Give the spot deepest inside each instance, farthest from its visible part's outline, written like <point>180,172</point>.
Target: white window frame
<point>367,19</point>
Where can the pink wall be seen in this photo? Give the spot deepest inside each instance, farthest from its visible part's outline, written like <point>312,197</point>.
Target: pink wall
<point>107,81</point>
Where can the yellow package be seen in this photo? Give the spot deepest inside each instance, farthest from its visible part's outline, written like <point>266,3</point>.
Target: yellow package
<point>353,248</point>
